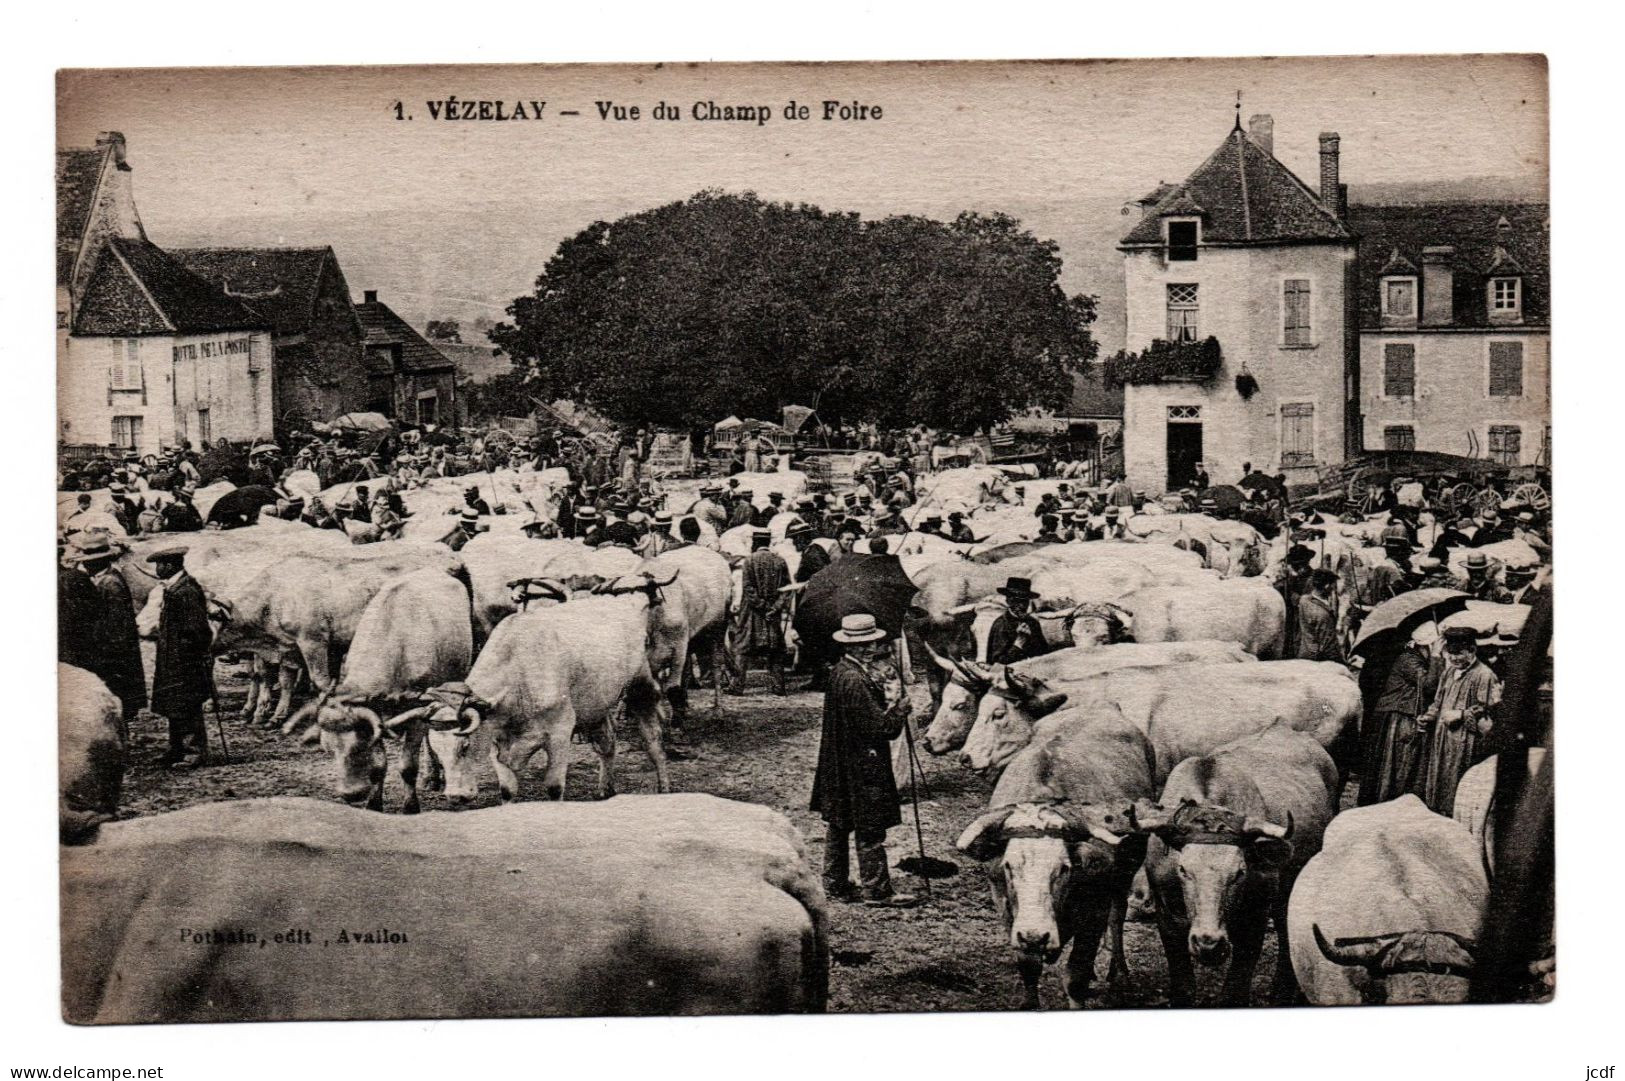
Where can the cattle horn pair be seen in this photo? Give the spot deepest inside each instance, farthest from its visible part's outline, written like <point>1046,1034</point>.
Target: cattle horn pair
<point>1034,694</point>
<point>967,671</point>
<point>1100,821</point>
<point>1369,950</point>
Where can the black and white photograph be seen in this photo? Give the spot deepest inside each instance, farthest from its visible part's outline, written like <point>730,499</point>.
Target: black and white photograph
<point>713,539</point>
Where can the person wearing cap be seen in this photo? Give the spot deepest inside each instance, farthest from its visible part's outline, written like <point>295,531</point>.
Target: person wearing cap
<point>125,509</point>
<point>1481,584</point>
<point>1015,634</point>
<point>756,632</point>
<point>183,669</point>
<point>1047,504</point>
<point>1292,583</point>
<point>814,557</point>
<point>774,508</point>
<point>1385,579</point>
<point>1201,482</point>
<point>78,611</point>
<point>1318,639</point>
<point>384,519</point>
<point>854,789</point>
<point>1457,717</point>
<point>115,646</point>
<point>743,511</point>
<point>1048,530</point>
<point>930,524</point>
<point>658,540</point>
<point>1398,742</point>
<point>473,501</point>
<point>317,516</point>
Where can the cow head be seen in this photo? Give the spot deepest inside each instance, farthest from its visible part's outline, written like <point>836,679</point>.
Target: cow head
<point>1219,854</point>
<point>1406,968</point>
<point>967,682</point>
<point>639,582</point>
<point>1091,626</point>
<point>527,591</point>
<point>1045,851</point>
<point>451,726</point>
<point>353,735</point>
<point>1005,719</point>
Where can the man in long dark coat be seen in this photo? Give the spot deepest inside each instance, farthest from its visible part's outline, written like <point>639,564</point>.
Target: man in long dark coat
<point>78,609</point>
<point>1317,620</point>
<point>853,788</point>
<point>814,557</point>
<point>116,647</point>
<point>756,630</point>
<point>183,672</point>
<point>1016,635</point>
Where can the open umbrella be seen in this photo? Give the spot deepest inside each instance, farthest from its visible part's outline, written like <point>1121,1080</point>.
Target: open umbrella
<point>362,422</point>
<point>1402,613</point>
<point>852,584</point>
<point>1256,479</point>
<point>1226,497</point>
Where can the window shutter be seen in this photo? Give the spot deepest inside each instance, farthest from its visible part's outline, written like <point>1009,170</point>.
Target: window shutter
<point>1399,370</point>
<point>1506,369</point>
<point>1295,329</point>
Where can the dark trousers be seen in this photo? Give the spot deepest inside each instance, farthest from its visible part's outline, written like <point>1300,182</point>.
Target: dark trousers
<point>873,875</point>
<point>187,736</point>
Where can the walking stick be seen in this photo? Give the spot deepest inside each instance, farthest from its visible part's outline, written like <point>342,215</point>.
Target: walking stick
<point>220,728</point>
<point>923,866</point>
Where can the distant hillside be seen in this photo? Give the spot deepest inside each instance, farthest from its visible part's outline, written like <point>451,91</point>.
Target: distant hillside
<point>1498,189</point>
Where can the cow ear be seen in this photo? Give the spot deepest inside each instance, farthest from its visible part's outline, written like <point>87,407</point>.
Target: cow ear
<point>983,839</point>
<point>1269,851</point>
<point>1045,702</point>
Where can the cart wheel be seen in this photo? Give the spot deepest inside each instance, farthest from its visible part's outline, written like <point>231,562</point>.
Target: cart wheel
<point>1463,495</point>
<point>1532,495</point>
<point>1356,490</point>
<point>1487,500</point>
<point>150,461</point>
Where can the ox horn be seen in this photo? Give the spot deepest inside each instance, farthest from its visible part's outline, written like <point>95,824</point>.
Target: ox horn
<point>1259,827</point>
<point>366,714</point>
<point>982,839</point>
<point>657,583</point>
<point>471,722</point>
<point>304,713</point>
<point>401,720</point>
<point>1094,821</point>
<point>1365,950</point>
<point>942,662</point>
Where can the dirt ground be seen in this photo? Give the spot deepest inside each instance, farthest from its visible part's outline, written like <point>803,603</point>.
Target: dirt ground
<point>947,954</point>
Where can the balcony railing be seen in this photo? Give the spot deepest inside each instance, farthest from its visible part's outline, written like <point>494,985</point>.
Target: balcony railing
<point>1163,362</point>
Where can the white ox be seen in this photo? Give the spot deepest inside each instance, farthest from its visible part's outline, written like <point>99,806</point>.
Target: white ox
<point>1389,910</point>
<point>1234,549</point>
<point>547,671</point>
<point>970,486</point>
<point>92,753</point>
<point>1185,710</point>
<point>495,559</point>
<point>691,617</point>
<point>1245,610</point>
<point>415,634</point>
<point>1475,805</point>
<point>961,698</point>
<point>644,905</point>
<point>1229,836</point>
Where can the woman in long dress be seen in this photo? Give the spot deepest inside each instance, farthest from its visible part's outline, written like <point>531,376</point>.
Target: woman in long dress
<point>1459,715</point>
<point>1409,689</point>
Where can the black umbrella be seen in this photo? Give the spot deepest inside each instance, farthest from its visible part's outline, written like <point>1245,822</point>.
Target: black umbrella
<point>1226,497</point>
<point>241,506</point>
<point>1401,615</point>
<point>1256,479</point>
<point>852,584</point>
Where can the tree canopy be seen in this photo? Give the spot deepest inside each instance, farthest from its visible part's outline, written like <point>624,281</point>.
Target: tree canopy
<point>724,303</point>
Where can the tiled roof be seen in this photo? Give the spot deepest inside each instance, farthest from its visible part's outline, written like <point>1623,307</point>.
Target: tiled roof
<point>77,174</point>
<point>1478,232</point>
<point>280,283</point>
<point>385,328</point>
<point>1243,196</point>
<point>137,288</point>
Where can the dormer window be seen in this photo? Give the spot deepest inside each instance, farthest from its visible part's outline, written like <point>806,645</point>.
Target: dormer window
<point>1399,297</point>
<point>1506,299</point>
<point>1183,237</point>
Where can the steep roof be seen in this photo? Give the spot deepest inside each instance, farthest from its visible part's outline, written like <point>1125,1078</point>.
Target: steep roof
<point>385,328</point>
<point>1243,196</point>
<point>1508,238</point>
<point>280,283</point>
<point>137,288</point>
<point>78,172</point>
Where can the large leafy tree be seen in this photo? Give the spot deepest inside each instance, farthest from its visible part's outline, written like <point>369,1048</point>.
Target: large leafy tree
<point>723,303</point>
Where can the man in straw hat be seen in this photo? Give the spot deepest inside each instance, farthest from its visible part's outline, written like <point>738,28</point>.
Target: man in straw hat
<point>854,789</point>
<point>1481,584</point>
<point>1015,635</point>
<point>466,529</point>
<point>756,629</point>
<point>115,647</point>
<point>659,539</point>
<point>1458,716</point>
<point>183,671</point>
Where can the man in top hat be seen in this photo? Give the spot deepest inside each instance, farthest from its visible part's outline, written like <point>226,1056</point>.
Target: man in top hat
<point>854,790</point>
<point>958,531</point>
<point>757,633</point>
<point>658,540</point>
<point>1458,716</point>
<point>814,557</point>
<point>183,670</point>
<point>1015,635</point>
<point>1481,584</point>
<point>466,529</point>
<point>1318,639</point>
<point>115,647</point>
<point>181,515</point>
<point>1292,583</point>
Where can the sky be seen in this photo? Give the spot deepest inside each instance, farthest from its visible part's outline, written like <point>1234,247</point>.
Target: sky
<point>456,217</point>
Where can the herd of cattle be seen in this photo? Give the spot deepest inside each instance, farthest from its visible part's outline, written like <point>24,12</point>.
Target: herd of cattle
<point>1192,755</point>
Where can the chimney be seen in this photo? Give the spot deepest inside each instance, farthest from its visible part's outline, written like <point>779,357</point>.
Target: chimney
<point>1328,171</point>
<point>369,296</point>
<point>1438,285</point>
<point>114,139</point>
<point>1261,130</point>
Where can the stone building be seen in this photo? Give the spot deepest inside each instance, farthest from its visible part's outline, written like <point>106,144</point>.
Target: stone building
<point>148,353</point>
<point>1454,307</point>
<point>320,371</point>
<point>407,377</point>
<point>1243,252</point>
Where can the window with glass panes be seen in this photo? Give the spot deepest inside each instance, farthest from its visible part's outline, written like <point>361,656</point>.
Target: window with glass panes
<point>1398,370</point>
<point>1399,437</point>
<point>127,432</point>
<point>1182,312</point>
<point>1504,295</point>
<point>1506,444</point>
